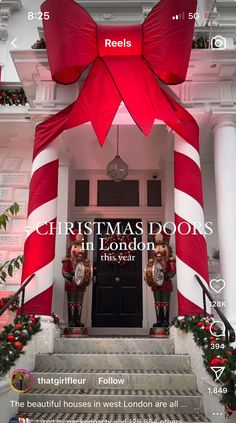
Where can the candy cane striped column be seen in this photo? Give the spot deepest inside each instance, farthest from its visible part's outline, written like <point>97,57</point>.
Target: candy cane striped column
<point>191,249</point>
<point>39,249</point>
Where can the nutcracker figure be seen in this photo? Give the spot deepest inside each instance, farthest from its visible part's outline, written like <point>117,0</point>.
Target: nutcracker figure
<point>158,273</point>
<point>77,272</point>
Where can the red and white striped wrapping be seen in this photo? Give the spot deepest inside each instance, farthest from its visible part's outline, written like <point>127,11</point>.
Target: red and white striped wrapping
<point>39,249</point>
<point>191,249</point>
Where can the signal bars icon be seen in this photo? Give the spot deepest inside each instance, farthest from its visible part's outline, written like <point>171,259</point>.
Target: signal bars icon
<point>179,16</point>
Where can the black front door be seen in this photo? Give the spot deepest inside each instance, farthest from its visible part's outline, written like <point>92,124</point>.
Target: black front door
<point>117,289</point>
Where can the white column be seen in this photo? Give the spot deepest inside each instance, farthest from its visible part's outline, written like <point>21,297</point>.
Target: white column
<point>59,306</point>
<point>168,201</point>
<point>224,128</point>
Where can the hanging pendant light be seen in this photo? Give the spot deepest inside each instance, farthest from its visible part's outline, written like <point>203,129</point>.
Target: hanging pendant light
<point>117,169</point>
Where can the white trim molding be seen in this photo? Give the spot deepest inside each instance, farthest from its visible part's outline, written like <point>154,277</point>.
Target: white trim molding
<point>6,9</point>
<point>210,83</point>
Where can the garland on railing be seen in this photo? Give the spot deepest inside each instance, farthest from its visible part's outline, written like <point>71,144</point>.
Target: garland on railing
<point>39,44</point>
<point>13,307</point>
<point>15,337</point>
<point>13,97</point>
<point>215,353</point>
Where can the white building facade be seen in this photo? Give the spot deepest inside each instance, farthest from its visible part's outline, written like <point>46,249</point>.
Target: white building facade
<point>209,94</point>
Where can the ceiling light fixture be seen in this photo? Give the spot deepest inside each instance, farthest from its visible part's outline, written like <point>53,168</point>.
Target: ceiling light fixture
<point>117,169</point>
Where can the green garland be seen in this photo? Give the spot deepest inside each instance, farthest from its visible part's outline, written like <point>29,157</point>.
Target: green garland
<point>200,42</point>
<point>39,44</point>
<point>14,338</point>
<point>7,268</point>
<point>13,307</point>
<point>13,97</point>
<point>215,353</point>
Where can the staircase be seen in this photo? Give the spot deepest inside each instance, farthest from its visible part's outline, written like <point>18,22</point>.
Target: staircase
<point>122,379</point>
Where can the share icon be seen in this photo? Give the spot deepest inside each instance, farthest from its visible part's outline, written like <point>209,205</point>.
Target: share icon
<point>218,370</point>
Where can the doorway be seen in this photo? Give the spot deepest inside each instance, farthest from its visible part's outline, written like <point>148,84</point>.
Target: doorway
<point>117,289</point>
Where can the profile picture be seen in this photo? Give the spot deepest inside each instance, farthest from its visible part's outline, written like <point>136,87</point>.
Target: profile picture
<point>21,381</point>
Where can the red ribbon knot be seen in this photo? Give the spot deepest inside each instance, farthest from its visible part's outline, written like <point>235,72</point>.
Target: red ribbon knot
<point>119,40</point>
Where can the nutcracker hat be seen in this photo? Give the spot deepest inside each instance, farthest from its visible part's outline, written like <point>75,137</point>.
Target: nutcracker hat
<point>163,236</point>
<point>76,237</point>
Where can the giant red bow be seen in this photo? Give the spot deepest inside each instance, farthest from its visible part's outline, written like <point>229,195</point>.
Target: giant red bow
<point>123,63</point>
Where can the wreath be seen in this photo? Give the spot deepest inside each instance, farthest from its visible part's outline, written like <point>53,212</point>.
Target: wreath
<point>13,307</point>
<point>120,257</point>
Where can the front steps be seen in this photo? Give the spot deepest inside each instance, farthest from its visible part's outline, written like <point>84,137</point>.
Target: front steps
<point>114,345</point>
<point>114,379</point>
<point>112,361</point>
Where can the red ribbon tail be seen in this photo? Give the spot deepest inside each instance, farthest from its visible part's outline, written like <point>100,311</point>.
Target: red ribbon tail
<point>146,100</point>
<point>99,101</point>
<point>179,119</point>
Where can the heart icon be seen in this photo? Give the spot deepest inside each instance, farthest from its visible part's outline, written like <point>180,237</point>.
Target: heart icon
<point>217,285</point>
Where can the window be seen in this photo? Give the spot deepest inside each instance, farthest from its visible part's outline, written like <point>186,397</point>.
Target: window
<point>154,193</point>
<point>82,193</point>
<point>125,193</point>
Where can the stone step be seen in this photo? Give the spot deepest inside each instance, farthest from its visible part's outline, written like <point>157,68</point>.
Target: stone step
<point>104,379</point>
<point>118,418</point>
<point>111,400</point>
<point>121,332</point>
<point>112,361</point>
<point>114,345</point>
